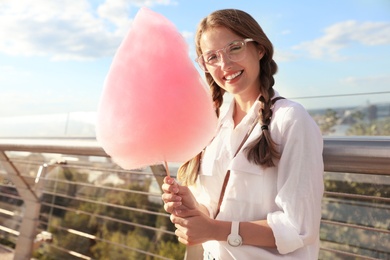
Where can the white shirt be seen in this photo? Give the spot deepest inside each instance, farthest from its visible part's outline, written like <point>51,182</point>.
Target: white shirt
<point>288,195</point>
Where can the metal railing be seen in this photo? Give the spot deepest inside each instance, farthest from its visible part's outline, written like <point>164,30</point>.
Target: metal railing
<point>71,189</point>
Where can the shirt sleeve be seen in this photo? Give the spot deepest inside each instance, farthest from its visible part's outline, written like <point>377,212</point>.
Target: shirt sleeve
<point>300,182</point>
<point>202,197</point>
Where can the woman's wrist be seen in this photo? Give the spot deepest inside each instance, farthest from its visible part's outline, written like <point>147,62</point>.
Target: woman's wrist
<point>202,208</point>
<point>220,230</point>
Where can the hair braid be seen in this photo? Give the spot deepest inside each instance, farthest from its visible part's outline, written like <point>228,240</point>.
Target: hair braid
<point>262,150</point>
<point>217,94</point>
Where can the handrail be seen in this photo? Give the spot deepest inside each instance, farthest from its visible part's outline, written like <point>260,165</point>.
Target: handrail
<point>75,146</point>
<point>358,154</point>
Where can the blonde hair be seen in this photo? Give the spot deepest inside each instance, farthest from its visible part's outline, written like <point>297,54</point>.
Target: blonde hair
<point>263,150</point>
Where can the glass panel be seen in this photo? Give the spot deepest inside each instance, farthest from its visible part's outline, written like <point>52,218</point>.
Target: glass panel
<point>356,215</point>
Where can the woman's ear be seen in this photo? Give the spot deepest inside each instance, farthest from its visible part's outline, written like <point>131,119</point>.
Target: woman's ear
<point>261,52</point>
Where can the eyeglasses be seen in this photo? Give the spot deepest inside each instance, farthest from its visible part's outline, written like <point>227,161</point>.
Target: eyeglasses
<point>234,50</point>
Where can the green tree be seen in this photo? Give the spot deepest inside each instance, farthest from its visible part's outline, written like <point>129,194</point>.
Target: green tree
<point>374,128</point>
<point>171,249</point>
<point>327,121</point>
<point>117,221</point>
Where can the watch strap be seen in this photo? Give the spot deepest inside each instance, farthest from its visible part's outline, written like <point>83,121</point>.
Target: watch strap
<point>235,228</point>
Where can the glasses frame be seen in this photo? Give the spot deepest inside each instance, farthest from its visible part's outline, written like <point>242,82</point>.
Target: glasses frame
<point>202,63</point>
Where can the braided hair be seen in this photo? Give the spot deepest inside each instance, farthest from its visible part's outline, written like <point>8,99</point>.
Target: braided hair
<point>263,150</point>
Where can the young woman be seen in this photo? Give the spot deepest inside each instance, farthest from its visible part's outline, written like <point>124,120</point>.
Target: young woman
<point>255,191</point>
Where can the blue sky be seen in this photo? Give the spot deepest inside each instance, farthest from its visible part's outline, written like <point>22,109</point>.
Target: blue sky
<point>54,55</point>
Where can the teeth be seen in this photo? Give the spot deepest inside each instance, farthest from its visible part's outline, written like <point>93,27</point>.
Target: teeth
<point>233,76</point>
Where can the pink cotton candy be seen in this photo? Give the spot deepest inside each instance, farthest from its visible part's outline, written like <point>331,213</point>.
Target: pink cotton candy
<point>155,107</point>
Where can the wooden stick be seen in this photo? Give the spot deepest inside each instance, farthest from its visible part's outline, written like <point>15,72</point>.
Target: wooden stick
<point>167,168</point>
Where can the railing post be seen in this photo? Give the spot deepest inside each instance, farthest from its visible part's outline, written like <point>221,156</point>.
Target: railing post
<point>27,230</point>
<point>159,173</point>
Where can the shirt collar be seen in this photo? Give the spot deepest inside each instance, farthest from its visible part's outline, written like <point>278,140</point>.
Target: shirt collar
<point>226,118</point>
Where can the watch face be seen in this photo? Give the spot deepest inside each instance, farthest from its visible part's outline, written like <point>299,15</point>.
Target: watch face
<point>234,240</point>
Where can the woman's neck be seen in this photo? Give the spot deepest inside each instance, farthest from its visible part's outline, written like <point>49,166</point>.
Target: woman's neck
<point>241,109</point>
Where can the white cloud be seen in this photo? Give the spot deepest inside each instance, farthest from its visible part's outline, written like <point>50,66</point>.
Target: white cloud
<point>378,81</point>
<point>8,72</point>
<point>343,35</point>
<point>188,36</point>
<point>65,29</point>
<point>115,11</point>
<point>284,56</point>
<point>22,101</point>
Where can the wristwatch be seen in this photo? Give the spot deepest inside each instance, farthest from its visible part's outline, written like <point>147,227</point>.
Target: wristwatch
<point>234,239</point>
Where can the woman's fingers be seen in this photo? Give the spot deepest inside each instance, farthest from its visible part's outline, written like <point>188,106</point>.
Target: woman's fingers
<point>171,201</point>
<point>189,230</point>
<point>168,188</point>
<point>169,197</point>
<point>178,199</point>
<point>170,185</point>
<point>171,206</point>
<point>182,237</point>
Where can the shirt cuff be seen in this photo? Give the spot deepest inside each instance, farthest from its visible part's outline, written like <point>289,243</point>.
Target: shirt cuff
<point>211,213</point>
<point>287,237</point>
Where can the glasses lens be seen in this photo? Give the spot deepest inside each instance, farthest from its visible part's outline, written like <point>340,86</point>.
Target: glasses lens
<point>211,58</point>
<point>236,51</point>
<point>201,62</point>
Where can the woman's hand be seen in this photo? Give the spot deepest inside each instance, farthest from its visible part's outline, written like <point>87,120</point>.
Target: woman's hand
<point>196,229</point>
<point>178,198</point>
<point>193,225</point>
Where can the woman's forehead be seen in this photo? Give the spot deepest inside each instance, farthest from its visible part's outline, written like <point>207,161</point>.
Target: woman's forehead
<point>216,38</point>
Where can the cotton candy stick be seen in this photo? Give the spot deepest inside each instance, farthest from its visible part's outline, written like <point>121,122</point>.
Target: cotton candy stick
<point>167,168</point>
<point>155,107</point>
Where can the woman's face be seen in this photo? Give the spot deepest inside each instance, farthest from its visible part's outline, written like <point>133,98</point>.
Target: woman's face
<point>238,78</point>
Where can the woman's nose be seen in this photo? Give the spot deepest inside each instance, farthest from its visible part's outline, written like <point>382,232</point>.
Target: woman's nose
<point>224,61</point>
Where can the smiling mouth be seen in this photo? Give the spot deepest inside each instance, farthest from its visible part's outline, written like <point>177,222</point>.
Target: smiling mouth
<point>233,76</point>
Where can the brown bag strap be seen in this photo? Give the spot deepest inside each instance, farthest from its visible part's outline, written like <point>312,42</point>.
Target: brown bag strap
<point>227,176</point>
